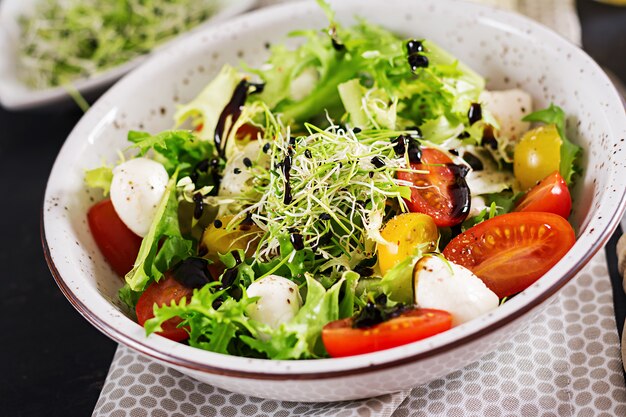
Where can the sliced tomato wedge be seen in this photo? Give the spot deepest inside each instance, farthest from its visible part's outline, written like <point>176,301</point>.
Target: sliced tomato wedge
<point>443,193</point>
<point>512,251</point>
<point>551,195</point>
<point>341,339</point>
<point>163,292</point>
<point>118,243</point>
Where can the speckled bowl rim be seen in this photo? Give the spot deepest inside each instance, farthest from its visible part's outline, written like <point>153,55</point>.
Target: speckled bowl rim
<point>263,369</point>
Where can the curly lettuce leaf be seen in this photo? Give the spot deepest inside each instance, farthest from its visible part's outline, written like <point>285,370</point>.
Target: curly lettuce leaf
<point>164,244</point>
<point>177,150</point>
<point>100,178</point>
<point>210,328</point>
<point>569,151</point>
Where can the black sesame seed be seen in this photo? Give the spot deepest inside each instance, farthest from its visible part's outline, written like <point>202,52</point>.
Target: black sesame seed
<point>474,113</point>
<point>237,171</point>
<point>414,46</point>
<point>356,130</point>
<point>308,154</point>
<point>247,162</point>
<point>296,241</point>
<point>377,162</point>
<point>217,224</point>
<point>371,174</point>
<point>418,61</point>
<point>266,148</point>
<point>324,216</point>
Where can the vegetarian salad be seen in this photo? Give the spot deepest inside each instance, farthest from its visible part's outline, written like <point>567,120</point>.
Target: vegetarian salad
<point>356,193</point>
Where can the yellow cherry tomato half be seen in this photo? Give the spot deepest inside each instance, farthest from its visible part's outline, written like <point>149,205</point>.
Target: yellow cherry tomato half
<point>537,155</point>
<point>220,238</point>
<point>404,233</point>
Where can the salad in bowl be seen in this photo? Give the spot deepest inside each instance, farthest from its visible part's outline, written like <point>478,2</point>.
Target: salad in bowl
<point>355,193</point>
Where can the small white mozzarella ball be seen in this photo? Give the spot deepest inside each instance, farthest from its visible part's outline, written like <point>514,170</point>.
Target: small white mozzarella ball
<point>509,107</point>
<point>236,174</point>
<point>279,300</point>
<point>453,288</point>
<point>136,191</point>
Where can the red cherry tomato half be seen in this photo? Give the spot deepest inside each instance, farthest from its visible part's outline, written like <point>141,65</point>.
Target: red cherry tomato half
<point>341,339</point>
<point>443,193</point>
<point>118,243</point>
<point>551,195</point>
<point>248,130</point>
<point>163,292</point>
<point>512,251</point>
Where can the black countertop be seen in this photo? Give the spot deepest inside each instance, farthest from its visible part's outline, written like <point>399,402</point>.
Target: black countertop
<point>53,361</point>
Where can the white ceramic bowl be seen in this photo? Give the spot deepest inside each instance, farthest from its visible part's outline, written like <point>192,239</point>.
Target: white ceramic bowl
<point>508,49</point>
<point>14,94</point>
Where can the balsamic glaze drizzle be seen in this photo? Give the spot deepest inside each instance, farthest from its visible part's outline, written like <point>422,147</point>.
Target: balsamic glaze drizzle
<point>473,161</point>
<point>233,109</point>
<point>286,167</point>
<point>192,272</point>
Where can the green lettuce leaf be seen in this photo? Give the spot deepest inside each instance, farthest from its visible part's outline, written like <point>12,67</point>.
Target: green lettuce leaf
<point>163,246</point>
<point>397,283</point>
<point>99,178</point>
<point>213,329</point>
<point>175,149</point>
<point>569,151</point>
<point>129,297</point>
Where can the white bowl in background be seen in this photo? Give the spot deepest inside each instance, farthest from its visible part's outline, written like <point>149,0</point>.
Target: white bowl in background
<point>14,94</point>
<point>509,49</point>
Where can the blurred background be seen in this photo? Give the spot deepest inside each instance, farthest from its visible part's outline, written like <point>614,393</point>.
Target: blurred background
<point>54,362</point>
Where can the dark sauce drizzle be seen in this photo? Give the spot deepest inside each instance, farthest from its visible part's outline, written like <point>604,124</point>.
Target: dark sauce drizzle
<point>233,109</point>
<point>286,167</point>
<point>198,207</point>
<point>459,191</point>
<point>192,272</point>
<point>473,161</point>
<point>376,312</point>
<point>229,278</point>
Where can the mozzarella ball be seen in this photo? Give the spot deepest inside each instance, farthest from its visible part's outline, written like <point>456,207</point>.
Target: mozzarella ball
<point>453,288</point>
<point>136,191</point>
<point>279,300</point>
<point>509,107</point>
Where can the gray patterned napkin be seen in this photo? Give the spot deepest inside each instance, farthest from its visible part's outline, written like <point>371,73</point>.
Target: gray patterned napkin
<point>566,363</point>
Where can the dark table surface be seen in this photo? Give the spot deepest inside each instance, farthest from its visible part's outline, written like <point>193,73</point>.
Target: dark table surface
<point>53,362</point>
